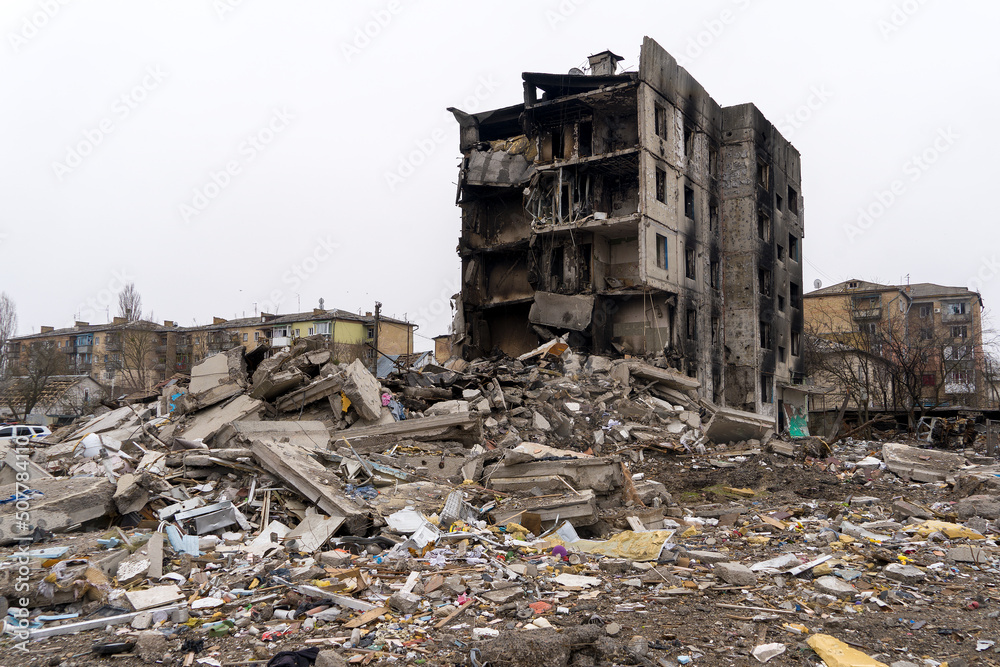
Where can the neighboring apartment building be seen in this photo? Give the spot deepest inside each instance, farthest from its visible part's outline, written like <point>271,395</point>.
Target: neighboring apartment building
<point>932,331</point>
<point>138,355</point>
<point>632,211</point>
<point>132,355</point>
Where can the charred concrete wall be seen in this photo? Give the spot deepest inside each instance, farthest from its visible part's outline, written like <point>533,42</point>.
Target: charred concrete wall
<point>639,194</point>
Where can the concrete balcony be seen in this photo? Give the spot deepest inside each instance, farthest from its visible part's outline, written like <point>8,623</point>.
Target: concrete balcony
<point>281,341</point>
<point>866,313</point>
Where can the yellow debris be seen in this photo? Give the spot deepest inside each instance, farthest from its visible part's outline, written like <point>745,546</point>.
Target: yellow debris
<point>952,530</point>
<point>836,653</point>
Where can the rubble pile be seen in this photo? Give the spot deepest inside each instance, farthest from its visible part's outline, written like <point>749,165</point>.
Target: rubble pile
<point>553,509</point>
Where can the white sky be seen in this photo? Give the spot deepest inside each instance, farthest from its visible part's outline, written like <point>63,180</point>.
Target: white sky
<point>316,120</point>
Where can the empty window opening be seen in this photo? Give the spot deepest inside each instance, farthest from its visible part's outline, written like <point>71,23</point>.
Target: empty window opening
<point>715,330</point>
<point>781,253</point>
<point>692,323</point>
<point>714,278</point>
<point>765,335</point>
<point>763,174</point>
<point>794,293</point>
<point>796,341</point>
<point>778,201</point>
<point>689,202</point>
<point>781,354</point>
<point>793,200</point>
<point>586,138</point>
<point>766,388</point>
<point>763,226</point>
<point>713,215</point>
<point>556,264</point>
<point>713,161</point>
<point>661,185</point>
<point>781,303</point>
<point>689,263</point>
<point>586,258</point>
<point>764,281</point>
<point>793,249</point>
<point>688,141</point>
<point>660,121</point>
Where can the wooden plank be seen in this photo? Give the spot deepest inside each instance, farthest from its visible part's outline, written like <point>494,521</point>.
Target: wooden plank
<point>366,618</point>
<point>450,617</point>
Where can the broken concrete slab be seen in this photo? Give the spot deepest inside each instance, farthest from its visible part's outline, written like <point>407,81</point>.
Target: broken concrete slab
<point>464,427</point>
<point>276,384</point>
<point>728,425</point>
<point>985,506</point>
<point>309,434</point>
<point>602,474</point>
<point>154,597</point>
<point>580,509</point>
<point>921,465</point>
<point>835,586</point>
<point>63,503</point>
<point>130,495</point>
<point>735,574</point>
<point>665,376</point>
<point>309,478</point>
<point>361,387</point>
<point>215,379</point>
<point>206,423</point>
<point>314,531</point>
<point>562,311</point>
<point>321,388</point>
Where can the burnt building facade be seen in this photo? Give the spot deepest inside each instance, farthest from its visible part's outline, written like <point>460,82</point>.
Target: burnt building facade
<point>632,211</point>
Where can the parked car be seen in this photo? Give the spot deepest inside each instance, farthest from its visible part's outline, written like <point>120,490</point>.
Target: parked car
<point>8,433</point>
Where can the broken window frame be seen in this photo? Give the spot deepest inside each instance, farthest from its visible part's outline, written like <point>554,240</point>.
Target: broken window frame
<point>715,275</point>
<point>794,295</point>
<point>959,331</point>
<point>793,247</point>
<point>691,323</point>
<point>766,388</point>
<point>763,174</point>
<point>763,226</point>
<point>689,202</point>
<point>796,343</point>
<point>660,120</point>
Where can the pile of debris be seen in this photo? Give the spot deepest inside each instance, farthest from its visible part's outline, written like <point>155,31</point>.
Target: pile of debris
<point>292,503</point>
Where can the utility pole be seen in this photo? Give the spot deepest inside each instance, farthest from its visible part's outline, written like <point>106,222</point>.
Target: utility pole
<point>378,313</point>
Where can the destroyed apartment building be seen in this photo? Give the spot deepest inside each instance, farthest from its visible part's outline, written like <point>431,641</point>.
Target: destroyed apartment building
<point>633,213</point>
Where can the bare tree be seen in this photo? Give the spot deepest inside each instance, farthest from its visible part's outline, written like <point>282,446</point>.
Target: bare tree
<point>28,379</point>
<point>8,328</point>
<point>137,338</point>
<point>130,303</point>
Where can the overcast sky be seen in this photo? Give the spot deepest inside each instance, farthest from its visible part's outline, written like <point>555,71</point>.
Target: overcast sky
<point>233,156</point>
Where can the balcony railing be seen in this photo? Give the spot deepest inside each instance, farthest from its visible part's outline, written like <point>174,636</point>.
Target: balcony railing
<point>955,317</point>
<point>866,313</point>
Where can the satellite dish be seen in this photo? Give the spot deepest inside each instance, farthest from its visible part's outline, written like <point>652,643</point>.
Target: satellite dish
<point>576,71</point>
<point>817,283</point>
